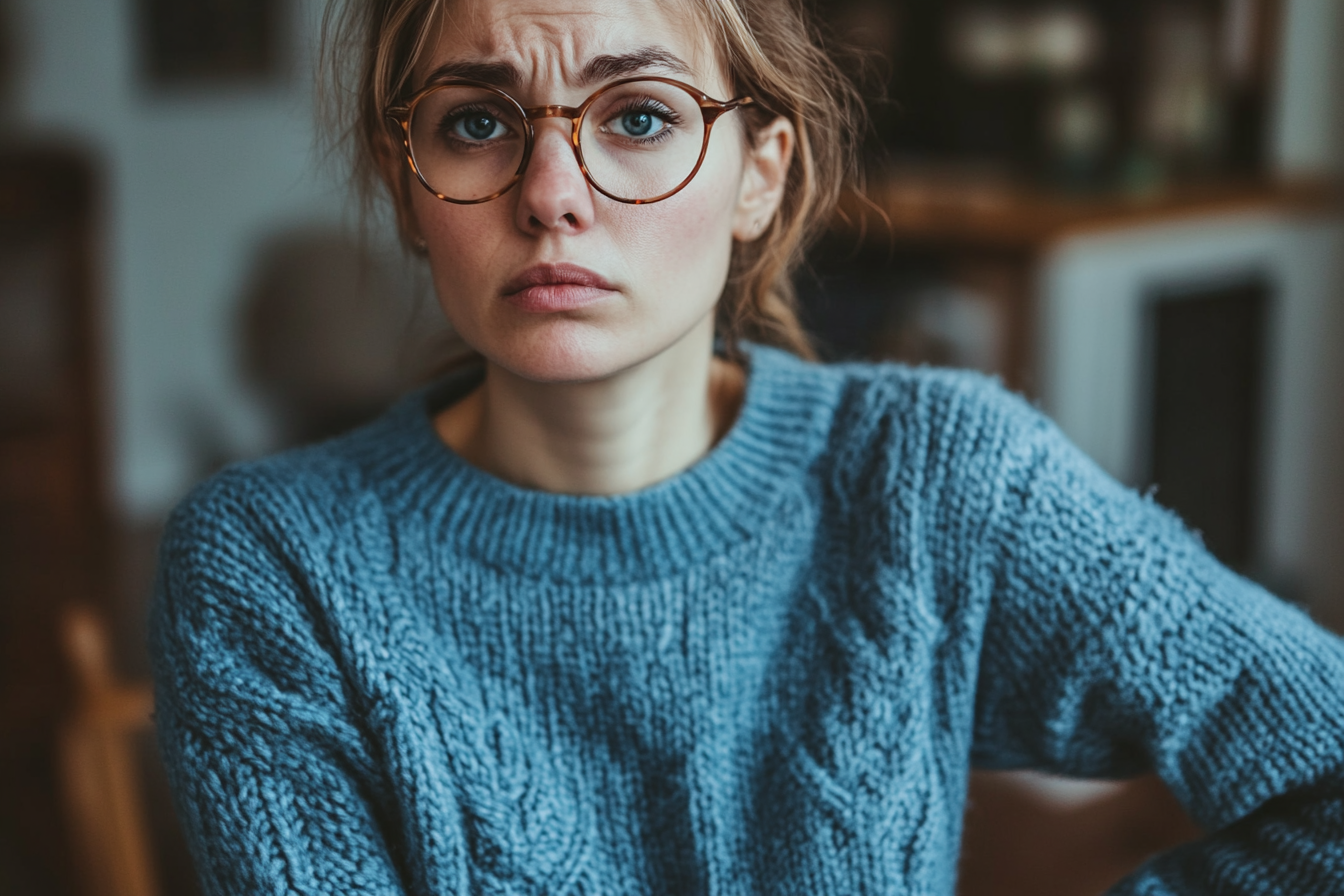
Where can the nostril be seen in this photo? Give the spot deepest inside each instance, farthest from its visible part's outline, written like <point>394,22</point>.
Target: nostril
<point>569,218</point>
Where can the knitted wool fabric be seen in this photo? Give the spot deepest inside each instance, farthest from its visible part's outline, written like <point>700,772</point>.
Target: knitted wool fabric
<point>383,671</point>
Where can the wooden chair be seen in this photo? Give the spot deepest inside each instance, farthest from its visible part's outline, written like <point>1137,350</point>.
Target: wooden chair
<point>101,780</point>
<point>1028,834</point>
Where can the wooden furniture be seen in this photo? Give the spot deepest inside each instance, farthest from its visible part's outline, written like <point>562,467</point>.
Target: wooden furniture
<point>52,505</point>
<point>1088,93</point>
<point>102,786</point>
<point>994,234</point>
<point>1029,835</point>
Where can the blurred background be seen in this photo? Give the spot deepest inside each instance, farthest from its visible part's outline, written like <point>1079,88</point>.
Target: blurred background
<point>1127,209</point>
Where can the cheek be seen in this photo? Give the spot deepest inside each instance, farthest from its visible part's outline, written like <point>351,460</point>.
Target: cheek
<point>686,239</point>
<point>465,248</point>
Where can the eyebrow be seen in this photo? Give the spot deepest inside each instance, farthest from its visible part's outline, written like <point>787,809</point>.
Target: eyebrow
<point>600,68</point>
<point>604,68</point>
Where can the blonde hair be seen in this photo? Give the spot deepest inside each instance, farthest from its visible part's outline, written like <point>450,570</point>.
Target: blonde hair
<point>767,48</point>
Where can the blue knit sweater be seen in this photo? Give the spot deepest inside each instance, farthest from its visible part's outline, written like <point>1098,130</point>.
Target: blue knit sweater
<point>383,671</point>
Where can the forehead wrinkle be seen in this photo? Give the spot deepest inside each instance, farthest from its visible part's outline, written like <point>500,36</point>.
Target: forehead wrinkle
<point>565,46</point>
<point>549,46</point>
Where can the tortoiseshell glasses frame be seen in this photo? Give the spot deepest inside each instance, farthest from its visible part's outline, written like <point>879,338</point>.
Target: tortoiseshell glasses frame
<point>710,108</point>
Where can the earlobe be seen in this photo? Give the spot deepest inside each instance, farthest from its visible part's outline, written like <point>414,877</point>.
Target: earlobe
<point>406,220</point>
<point>764,178</point>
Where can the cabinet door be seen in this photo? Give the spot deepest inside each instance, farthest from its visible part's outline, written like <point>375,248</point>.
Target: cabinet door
<point>51,499</point>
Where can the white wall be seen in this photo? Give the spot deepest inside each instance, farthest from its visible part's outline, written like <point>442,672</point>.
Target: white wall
<point>1309,138</point>
<point>194,182</point>
<point>1307,134</point>
<point>1092,348</point>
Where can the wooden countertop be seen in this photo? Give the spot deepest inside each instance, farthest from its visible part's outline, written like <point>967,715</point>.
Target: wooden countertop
<point>964,212</point>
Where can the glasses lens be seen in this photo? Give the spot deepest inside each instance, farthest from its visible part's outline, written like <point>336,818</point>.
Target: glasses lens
<point>642,139</point>
<point>467,142</point>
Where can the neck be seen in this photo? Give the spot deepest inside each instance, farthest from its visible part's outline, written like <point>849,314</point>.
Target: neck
<point>609,436</point>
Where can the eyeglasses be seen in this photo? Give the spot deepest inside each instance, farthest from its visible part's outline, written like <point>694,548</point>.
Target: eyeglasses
<point>637,140</point>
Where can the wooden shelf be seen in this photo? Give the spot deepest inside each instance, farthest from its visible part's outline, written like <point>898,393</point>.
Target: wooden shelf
<point>992,235</point>
<point>945,210</point>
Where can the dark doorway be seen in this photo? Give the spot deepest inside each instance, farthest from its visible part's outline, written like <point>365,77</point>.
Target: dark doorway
<point>1207,401</point>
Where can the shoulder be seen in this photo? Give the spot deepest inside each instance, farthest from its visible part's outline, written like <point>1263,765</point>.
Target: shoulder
<point>285,524</point>
<point>250,530</point>
<point>239,613</point>
<point>313,488</point>
<point>871,395</point>
<point>254,564</point>
<point>936,449</point>
<point>921,396</point>
<point>297,492</point>
<point>890,420</point>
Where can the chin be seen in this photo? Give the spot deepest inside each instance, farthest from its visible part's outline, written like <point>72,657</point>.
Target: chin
<point>566,351</point>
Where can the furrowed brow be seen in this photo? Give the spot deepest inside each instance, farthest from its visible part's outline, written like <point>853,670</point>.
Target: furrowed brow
<point>496,74</point>
<point>600,68</point>
<point>607,67</point>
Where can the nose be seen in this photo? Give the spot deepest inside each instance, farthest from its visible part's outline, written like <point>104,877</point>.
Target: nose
<point>554,194</point>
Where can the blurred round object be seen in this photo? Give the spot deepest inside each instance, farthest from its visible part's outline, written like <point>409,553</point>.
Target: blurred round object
<point>1060,42</point>
<point>332,332</point>
<point>1080,124</point>
<point>986,41</point>
<point>1078,132</point>
<point>1181,114</point>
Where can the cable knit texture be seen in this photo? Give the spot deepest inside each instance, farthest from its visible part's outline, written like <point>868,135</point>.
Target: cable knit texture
<point>382,671</point>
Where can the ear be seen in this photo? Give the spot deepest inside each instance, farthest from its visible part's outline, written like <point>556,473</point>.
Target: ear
<point>764,176</point>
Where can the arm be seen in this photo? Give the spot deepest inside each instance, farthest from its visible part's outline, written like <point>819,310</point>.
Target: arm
<point>1115,644</point>
<point>274,784</point>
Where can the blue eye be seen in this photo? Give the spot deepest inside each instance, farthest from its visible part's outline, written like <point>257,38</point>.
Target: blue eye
<point>645,121</point>
<point>475,123</point>
<point>637,124</point>
<point>477,126</point>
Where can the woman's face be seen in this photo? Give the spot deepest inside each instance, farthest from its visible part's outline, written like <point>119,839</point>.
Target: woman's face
<point>658,268</point>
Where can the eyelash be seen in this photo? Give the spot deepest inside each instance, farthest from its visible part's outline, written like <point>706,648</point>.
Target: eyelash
<point>457,114</point>
<point>652,107</point>
<point>635,104</point>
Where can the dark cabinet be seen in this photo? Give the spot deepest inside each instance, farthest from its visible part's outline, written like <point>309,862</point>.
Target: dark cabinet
<point>53,515</point>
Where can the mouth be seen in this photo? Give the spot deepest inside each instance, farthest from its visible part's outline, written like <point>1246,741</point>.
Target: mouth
<point>545,288</point>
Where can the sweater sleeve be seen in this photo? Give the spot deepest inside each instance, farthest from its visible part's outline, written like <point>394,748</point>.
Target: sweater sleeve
<point>273,782</point>
<point>1115,644</point>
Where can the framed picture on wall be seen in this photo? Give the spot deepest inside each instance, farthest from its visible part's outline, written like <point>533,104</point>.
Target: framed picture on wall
<point>190,42</point>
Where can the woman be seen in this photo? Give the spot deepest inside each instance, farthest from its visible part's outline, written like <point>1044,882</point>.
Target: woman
<point>618,613</point>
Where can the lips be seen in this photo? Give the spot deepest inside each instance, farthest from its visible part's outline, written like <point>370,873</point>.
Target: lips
<point>556,275</point>
<point>556,287</point>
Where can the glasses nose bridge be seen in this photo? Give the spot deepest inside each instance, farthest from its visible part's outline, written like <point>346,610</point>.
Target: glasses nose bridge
<point>573,113</point>
<point>538,113</point>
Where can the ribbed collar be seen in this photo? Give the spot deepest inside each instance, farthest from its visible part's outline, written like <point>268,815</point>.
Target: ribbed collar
<point>725,498</point>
